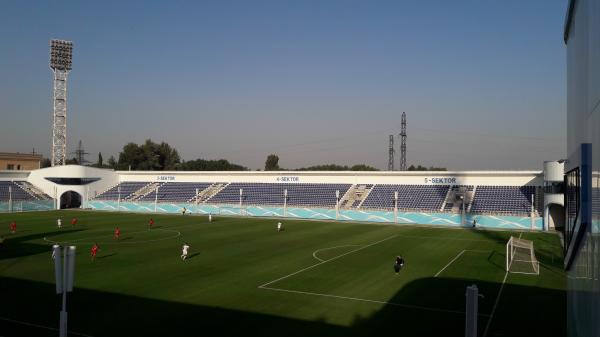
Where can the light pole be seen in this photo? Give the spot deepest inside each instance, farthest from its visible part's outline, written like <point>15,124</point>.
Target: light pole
<point>10,203</point>
<point>61,56</point>
<point>532,212</point>
<point>119,198</point>
<point>241,193</point>
<point>64,274</point>
<point>337,204</point>
<point>396,207</point>
<point>285,192</point>
<point>464,215</point>
<point>155,198</point>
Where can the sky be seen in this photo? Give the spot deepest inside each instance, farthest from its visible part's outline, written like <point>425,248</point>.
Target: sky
<point>483,83</point>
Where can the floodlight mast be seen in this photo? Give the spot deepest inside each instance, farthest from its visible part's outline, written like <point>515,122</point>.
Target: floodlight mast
<point>61,56</point>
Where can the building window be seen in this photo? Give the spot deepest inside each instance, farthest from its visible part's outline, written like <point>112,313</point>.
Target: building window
<point>18,167</point>
<point>10,166</point>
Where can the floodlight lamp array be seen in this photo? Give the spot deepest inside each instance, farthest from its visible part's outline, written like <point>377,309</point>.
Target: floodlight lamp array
<point>61,54</point>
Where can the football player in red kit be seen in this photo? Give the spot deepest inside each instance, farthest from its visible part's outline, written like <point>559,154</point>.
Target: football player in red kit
<point>13,227</point>
<point>117,234</point>
<point>94,251</point>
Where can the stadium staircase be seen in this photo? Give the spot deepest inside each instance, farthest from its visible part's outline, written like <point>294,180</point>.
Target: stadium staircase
<point>355,196</point>
<point>453,203</point>
<point>209,192</point>
<point>106,190</point>
<point>144,191</point>
<point>472,198</point>
<point>34,192</point>
<point>368,189</point>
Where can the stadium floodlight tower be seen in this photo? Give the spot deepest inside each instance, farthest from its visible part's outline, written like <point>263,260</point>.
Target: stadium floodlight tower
<point>61,55</point>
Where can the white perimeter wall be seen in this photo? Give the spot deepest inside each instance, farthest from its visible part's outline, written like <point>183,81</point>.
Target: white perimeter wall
<point>515,178</point>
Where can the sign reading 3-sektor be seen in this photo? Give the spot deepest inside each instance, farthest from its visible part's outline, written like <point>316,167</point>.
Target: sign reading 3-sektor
<point>442,180</point>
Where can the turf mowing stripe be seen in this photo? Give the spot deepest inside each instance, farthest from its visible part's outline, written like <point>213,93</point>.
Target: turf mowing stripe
<point>320,263</point>
<point>120,242</point>
<point>487,327</point>
<point>42,326</point>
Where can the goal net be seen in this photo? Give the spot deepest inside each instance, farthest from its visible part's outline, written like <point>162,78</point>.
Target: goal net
<point>520,257</point>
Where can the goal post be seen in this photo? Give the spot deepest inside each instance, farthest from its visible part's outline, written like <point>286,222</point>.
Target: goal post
<point>520,257</point>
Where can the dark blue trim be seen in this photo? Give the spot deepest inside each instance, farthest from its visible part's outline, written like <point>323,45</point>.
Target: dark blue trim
<point>584,216</point>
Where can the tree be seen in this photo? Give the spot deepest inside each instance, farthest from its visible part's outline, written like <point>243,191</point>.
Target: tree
<point>423,168</point>
<point>210,165</point>
<point>46,162</point>
<point>272,163</point>
<point>112,163</point>
<point>149,156</point>
<point>363,167</point>
<point>99,163</point>
<point>334,167</point>
<point>72,161</point>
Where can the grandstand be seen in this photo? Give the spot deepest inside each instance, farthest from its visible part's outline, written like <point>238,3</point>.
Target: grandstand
<point>20,190</point>
<point>490,198</point>
<point>486,199</point>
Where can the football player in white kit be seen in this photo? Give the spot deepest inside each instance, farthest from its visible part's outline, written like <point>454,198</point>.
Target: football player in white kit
<point>279,227</point>
<point>184,251</point>
<point>59,222</point>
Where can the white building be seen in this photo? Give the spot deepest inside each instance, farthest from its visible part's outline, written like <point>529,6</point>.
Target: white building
<point>582,241</point>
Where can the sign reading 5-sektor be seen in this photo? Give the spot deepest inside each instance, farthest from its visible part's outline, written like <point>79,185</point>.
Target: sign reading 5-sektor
<point>442,180</point>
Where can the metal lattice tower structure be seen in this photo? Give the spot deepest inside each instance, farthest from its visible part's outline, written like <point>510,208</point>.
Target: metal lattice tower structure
<point>403,143</point>
<point>61,55</point>
<point>391,154</point>
<point>80,154</point>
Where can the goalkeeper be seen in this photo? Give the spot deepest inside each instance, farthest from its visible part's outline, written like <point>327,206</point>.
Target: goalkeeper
<point>398,264</point>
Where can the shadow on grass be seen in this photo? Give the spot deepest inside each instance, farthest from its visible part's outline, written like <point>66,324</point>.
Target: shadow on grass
<point>19,246</point>
<point>106,256</point>
<point>99,313</point>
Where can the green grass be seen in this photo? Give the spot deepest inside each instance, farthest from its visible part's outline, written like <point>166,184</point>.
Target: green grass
<point>245,278</point>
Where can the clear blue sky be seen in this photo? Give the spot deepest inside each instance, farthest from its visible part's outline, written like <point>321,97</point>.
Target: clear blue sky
<point>482,82</point>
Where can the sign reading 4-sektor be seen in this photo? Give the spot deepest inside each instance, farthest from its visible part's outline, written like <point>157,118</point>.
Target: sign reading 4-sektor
<point>443,181</point>
<point>288,179</point>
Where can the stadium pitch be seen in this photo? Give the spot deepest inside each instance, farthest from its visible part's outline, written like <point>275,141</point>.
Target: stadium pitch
<point>244,278</point>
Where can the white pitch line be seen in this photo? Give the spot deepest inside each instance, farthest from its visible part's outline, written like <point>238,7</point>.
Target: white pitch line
<point>487,327</point>
<point>449,263</point>
<point>408,306</point>
<point>328,248</point>
<point>320,263</point>
<point>41,326</point>
<point>457,256</point>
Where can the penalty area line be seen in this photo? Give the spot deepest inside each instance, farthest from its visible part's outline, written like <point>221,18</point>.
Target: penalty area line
<point>457,256</point>
<point>325,261</point>
<point>328,248</point>
<point>489,323</point>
